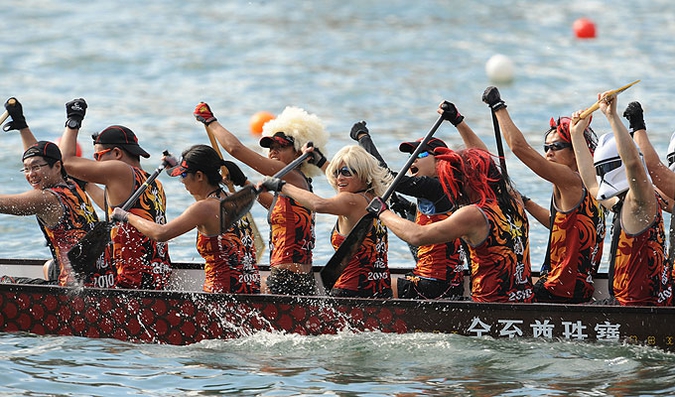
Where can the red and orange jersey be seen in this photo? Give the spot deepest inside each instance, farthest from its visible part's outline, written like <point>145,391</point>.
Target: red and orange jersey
<point>78,218</point>
<point>577,239</point>
<point>230,260</point>
<point>442,262</point>
<point>292,235</point>
<point>140,261</point>
<point>368,269</point>
<point>500,265</point>
<point>639,266</point>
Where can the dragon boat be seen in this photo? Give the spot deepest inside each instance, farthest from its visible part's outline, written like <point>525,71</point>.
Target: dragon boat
<point>184,315</point>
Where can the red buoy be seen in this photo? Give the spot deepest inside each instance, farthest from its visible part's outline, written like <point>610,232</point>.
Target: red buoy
<point>584,28</point>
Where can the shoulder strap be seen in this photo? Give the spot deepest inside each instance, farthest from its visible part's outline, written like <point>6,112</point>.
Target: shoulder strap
<point>105,203</point>
<point>671,238</point>
<point>616,232</point>
<point>546,266</point>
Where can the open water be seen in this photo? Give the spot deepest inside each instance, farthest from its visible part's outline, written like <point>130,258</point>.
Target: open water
<point>147,64</point>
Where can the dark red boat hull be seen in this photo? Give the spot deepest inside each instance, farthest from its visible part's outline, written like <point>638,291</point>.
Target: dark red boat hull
<point>181,318</point>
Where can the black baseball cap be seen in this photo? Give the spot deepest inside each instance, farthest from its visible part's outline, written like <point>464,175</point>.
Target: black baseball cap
<point>279,137</point>
<point>409,147</point>
<point>44,149</point>
<point>121,136</point>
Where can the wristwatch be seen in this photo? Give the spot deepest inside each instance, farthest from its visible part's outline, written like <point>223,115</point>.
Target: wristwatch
<point>74,124</point>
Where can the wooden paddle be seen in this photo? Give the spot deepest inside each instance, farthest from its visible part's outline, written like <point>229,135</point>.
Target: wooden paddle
<point>257,239</point>
<point>237,205</point>
<point>610,94</point>
<point>340,259</point>
<point>84,254</point>
<point>5,114</point>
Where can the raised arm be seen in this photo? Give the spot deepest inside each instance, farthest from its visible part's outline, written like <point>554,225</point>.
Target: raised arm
<point>561,175</point>
<point>450,113</point>
<point>661,175</point>
<point>584,157</point>
<point>260,163</point>
<point>640,200</point>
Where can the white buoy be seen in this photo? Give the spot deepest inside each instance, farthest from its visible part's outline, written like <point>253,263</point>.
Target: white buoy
<point>499,69</point>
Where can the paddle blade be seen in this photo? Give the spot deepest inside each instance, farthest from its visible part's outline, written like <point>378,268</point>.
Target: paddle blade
<point>338,262</point>
<point>84,254</point>
<point>235,206</point>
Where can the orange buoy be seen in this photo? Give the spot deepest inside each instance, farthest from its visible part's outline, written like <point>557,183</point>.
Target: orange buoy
<point>78,148</point>
<point>258,120</point>
<point>584,28</point>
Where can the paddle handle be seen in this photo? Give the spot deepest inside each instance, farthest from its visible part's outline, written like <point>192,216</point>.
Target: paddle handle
<point>5,114</point>
<point>132,200</point>
<point>294,164</point>
<point>498,141</point>
<point>610,94</point>
<point>392,187</point>
<point>223,170</point>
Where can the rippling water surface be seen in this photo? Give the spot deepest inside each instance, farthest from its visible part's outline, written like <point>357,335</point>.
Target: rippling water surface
<point>369,364</point>
<point>147,64</point>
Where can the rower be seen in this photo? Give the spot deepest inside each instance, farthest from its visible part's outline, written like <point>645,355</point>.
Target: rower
<point>139,261</point>
<point>439,268</point>
<point>357,178</point>
<point>623,185</point>
<point>491,220</point>
<point>230,254</point>
<point>576,220</point>
<point>63,210</point>
<point>292,234</point>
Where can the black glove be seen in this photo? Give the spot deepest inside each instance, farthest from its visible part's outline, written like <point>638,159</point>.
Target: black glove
<point>317,158</point>
<point>404,207</point>
<point>358,128</point>
<point>635,117</point>
<point>75,111</point>
<point>236,175</point>
<point>451,113</point>
<point>272,184</point>
<point>204,114</point>
<point>15,110</point>
<point>493,99</point>
<point>376,207</point>
<point>120,215</point>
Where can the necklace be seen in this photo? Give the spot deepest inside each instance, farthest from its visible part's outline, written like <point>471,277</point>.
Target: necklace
<point>217,195</point>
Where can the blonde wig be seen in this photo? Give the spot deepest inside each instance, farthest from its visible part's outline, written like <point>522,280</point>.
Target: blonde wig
<point>303,127</point>
<point>366,167</point>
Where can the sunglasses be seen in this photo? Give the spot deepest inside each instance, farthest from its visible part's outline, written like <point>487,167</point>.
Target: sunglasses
<point>422,155</point>
<point>555,146</point>
<point>344,171</point>
<point>603,168</point>
<point>100,153</point>
<point>34,168</point>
